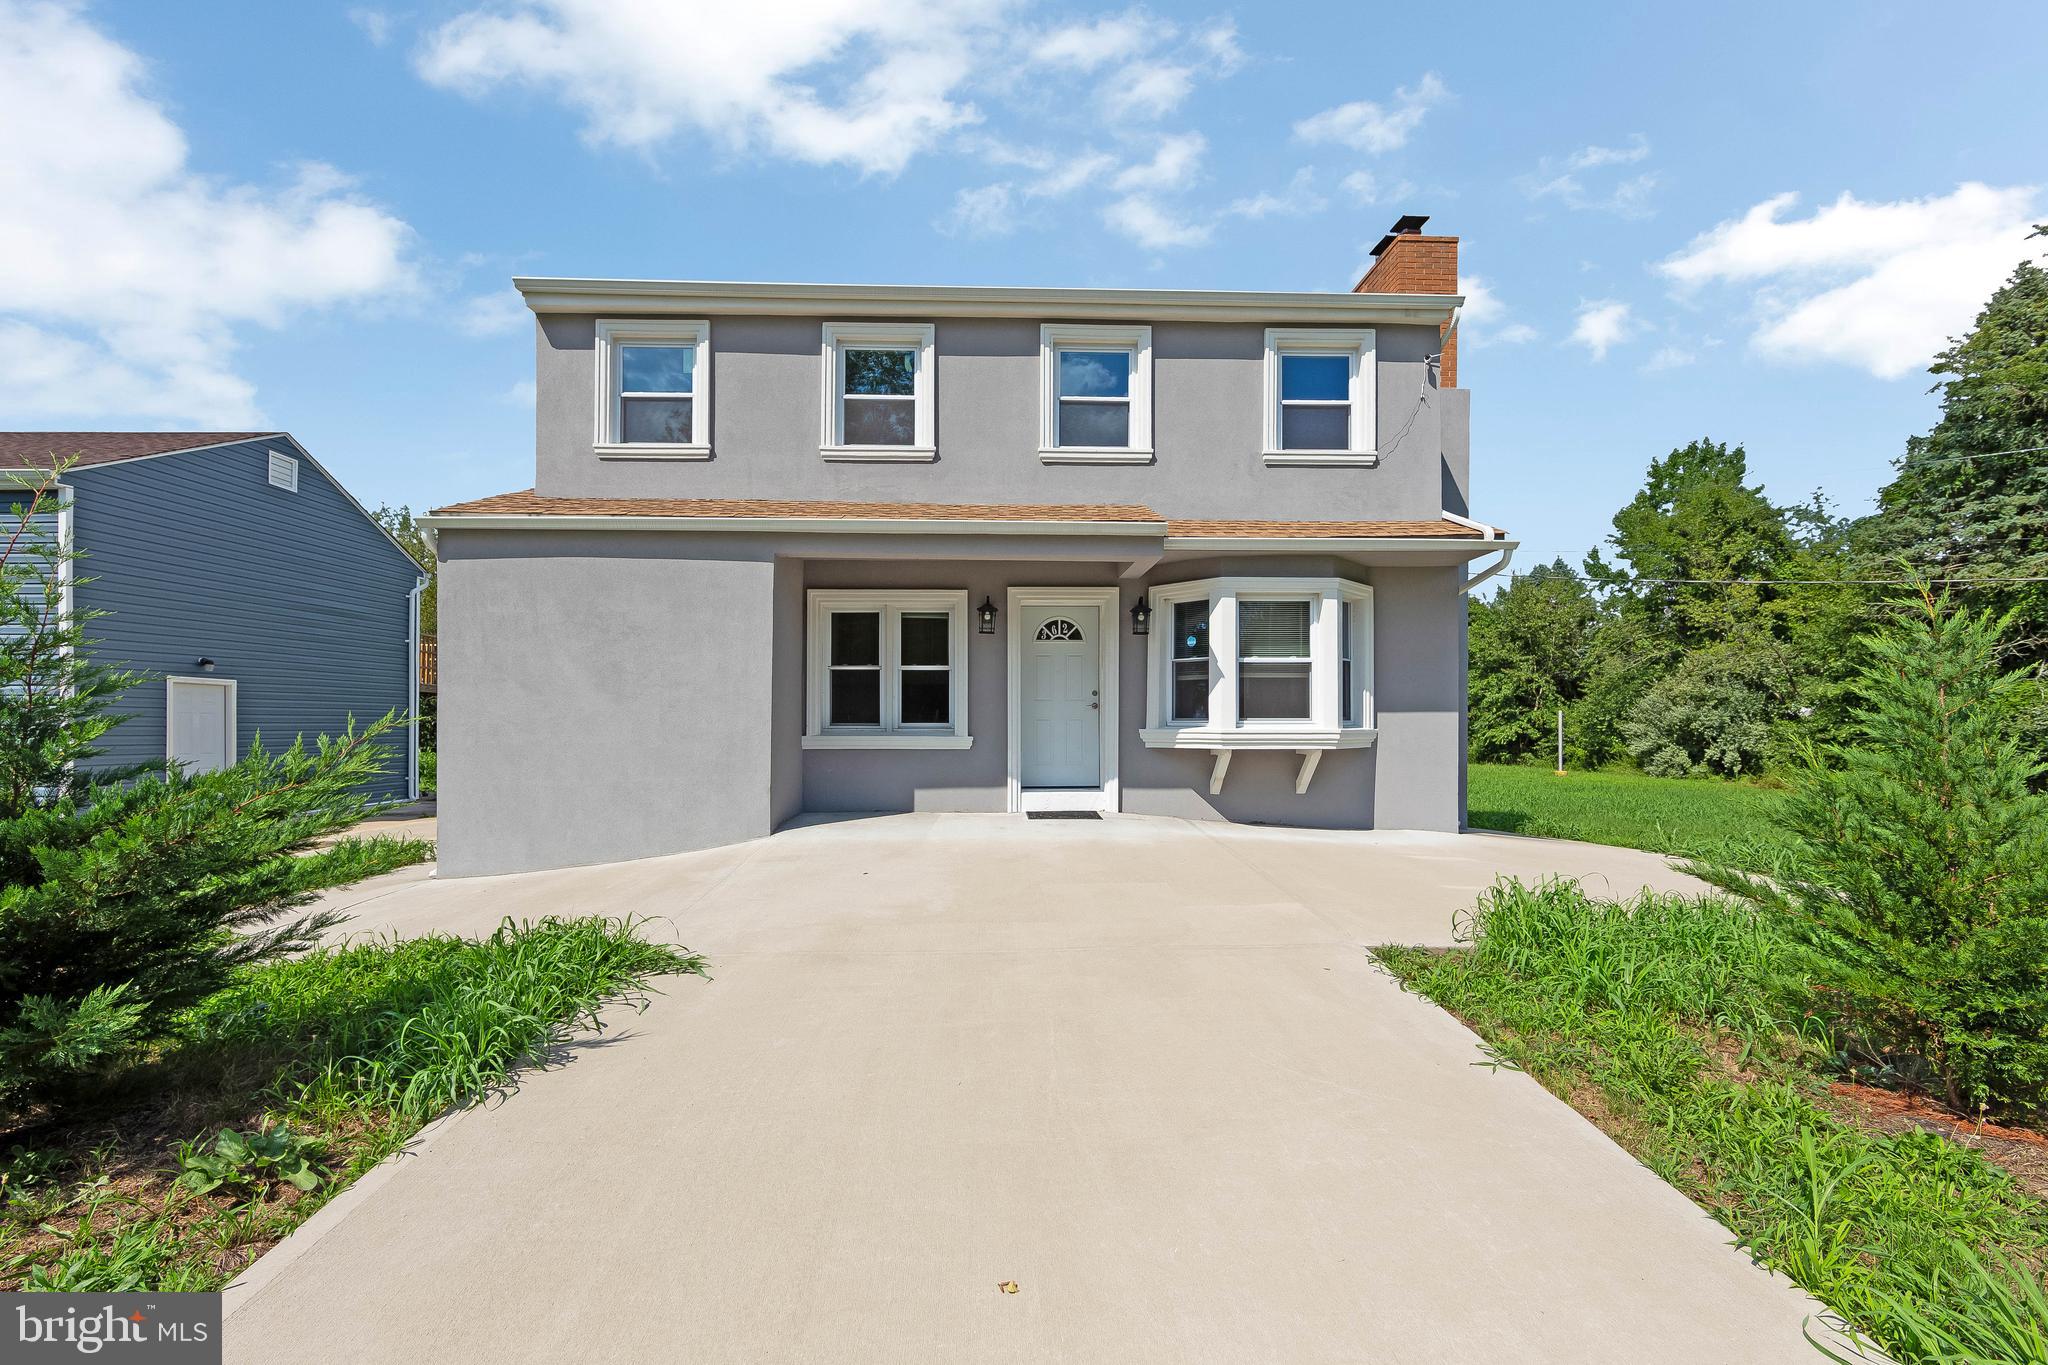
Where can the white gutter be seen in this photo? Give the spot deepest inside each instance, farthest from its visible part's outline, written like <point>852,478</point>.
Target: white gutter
<point>1491,532</point>
<point>867,526</point>
<point>1329,544</point>
<point>568,295</point>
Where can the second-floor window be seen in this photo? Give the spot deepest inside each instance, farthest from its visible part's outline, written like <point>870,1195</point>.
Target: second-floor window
<point>879,382</point>
<point>1319,396</point>
<point>654,389</point>
<point>1096,404</point>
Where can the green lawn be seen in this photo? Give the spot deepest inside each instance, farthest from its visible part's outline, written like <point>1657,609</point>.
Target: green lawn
<point>1690,817</point>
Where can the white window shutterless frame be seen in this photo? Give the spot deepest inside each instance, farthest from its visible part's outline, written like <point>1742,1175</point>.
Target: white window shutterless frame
<point>885,669</point>
<point>1095,387</point>
<point>653,389</point>
<point>1320,394</point>
<point>880,392</point>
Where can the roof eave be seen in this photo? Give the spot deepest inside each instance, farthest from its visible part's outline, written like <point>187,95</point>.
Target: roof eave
<point>545,295</point>
<point>550,521</point>
<point>1452,547</point>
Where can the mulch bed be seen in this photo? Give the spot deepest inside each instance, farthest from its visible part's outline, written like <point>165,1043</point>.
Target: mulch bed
<point>2021,1151</point>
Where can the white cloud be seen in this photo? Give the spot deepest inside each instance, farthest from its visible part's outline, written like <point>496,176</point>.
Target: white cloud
<point>1602,325</point>
<point>1173,166</point>
<point>1484,320</point>
<point>1299,198</point>
<point>1877,285</point>
<point>1153,226</point>
<point>498,313</point>
<point>860,83</point>
<point>1372,127</point>
<point>1362,186</point>
<point>520,394</point>
<point>124,274</point>
<point>983,211</point>
<point>1565,180</point>
<point>1149,89</point>
<point>1095,43</point>
<point>1668,358</point>
<point>375,24</point>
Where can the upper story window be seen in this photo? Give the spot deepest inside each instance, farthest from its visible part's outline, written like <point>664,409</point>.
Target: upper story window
<point>887,669</point>
<point>1275,663</point>
<point>653,389</point>
<point>879,400</point>
<point>1319,396</point>
<point>1096,399</point>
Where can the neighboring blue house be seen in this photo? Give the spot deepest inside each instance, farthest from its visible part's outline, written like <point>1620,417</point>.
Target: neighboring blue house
<point>256,594</point>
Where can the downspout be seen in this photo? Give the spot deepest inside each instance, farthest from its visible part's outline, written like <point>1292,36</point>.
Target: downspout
<point>1507,552</point>
<point>412,600</point>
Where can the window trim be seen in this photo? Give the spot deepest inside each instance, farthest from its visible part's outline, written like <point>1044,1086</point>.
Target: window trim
<point>892,604</point>
<point>917,337</point>
<point>1324,728</point>
<point>1359,344</point>
<point>613,333</point>
<point>1054,337</point>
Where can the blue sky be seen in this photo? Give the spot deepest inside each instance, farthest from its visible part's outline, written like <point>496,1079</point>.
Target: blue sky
<point>1745,222</point>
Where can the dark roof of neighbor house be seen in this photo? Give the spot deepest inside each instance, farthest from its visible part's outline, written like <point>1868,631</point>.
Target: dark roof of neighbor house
<point>528,503</point>
<point>36,449</point>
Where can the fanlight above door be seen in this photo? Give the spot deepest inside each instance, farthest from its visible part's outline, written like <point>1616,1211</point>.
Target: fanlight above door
<point>1059,628</point>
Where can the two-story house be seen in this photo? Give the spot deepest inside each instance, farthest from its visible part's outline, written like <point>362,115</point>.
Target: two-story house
<point>818,548</point>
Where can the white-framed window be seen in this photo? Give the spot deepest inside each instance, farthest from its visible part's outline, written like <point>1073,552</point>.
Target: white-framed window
<point>283,471</point>
<point>1260,663</point>
<point>886,669</point>
<point>1095,387</point>
<point>880,379</point>
<point>653,389</point>
<point>1319,396</point>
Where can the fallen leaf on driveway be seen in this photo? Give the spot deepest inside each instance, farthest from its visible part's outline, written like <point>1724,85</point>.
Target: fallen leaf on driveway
<point>1008,1286</point>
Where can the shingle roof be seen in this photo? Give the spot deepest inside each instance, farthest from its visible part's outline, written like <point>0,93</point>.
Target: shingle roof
<point>1327,530</point>
<point>28,449</point>
<point>529,503</point>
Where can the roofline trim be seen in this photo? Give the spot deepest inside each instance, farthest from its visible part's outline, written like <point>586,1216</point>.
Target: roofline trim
<point>550,521</point>
<point>548,294</point>
<point>1333,544</point>
<point>159,454</point>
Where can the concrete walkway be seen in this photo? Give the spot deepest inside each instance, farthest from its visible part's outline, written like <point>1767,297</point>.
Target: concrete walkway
<point>1140,1067</point>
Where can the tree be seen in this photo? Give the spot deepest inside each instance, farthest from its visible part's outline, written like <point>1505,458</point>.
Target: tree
<point>1529,657</point>
<point>1960,507</point>
<point>408,533</point>
<point>1916,876</point>
<point>1718,712</point>
<point>126,895</point>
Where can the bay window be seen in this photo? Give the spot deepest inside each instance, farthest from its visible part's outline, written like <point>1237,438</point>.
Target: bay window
<point>653,389</point>
<point>1096,394</point>
<point>1277,663</point>
<point>886,670</point>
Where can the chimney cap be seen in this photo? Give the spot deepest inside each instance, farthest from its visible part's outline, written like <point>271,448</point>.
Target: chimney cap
<point>1407,223</point>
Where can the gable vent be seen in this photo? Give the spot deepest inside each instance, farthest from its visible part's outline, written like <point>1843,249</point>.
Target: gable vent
<point>284,472</point>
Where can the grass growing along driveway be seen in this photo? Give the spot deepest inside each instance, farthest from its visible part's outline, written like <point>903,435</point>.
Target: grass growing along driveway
<point>1671,1023</point>
<point>282,1089</point>
<point>1686,817</point>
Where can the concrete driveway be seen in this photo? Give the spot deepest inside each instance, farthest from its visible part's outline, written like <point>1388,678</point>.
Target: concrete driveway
<point>1140,1067</point>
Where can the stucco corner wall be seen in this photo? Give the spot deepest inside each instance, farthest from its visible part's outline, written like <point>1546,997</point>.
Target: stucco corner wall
<point>1419,687</point>
<point>602,700</point>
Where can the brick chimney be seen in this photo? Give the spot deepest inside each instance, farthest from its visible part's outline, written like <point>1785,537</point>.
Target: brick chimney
<point>1409,261</point>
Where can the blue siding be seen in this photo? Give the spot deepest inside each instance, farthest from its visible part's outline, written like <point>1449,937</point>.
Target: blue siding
<point>296,596</point>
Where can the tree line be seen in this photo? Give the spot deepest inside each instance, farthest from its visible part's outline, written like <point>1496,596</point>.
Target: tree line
<point>1717,631</point>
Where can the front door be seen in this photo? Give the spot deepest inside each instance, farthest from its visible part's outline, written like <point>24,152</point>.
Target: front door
<point>199,726</point>
<point>1061,714</point>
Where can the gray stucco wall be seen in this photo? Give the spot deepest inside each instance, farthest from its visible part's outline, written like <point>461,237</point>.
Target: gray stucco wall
<point>1208,397</point>
<point>609,696</point>
<point>296,596</point>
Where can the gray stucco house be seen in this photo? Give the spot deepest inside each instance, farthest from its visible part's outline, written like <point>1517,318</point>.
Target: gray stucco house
<point>827,548</point>
<point>257,595</point>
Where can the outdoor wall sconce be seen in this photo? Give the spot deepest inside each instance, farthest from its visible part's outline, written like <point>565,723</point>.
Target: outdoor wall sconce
<point>204,665</point>
<point>987,612</point>
<point>1141,617</point>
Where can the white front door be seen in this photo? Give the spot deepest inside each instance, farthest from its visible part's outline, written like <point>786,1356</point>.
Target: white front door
<point>199,721</point>
<point>1061,712</point>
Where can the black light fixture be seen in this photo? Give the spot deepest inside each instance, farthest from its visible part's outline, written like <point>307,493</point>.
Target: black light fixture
<point>987,612</point>
<point>205,665</point>
<point>1141,617</point>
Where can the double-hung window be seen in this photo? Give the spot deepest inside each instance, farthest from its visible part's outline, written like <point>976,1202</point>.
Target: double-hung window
<point>879,382</point>
<point>1319,396</point>
<point>1276,663</point>
<point>886,670</point>
<point>653,389</point>
<point>1096,394</point>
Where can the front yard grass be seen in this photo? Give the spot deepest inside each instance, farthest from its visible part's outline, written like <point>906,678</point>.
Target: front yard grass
<point>1686,817</point>
<point>284,1088</point>
<point>1668,1021</point>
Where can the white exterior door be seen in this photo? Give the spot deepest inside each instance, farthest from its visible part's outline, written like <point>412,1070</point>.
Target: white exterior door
<point>1060,715</point>
<point>201,725</point>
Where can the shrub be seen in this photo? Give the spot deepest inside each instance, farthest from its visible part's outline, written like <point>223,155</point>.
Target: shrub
<point>1716,712</point>
<point>1915,873</point>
